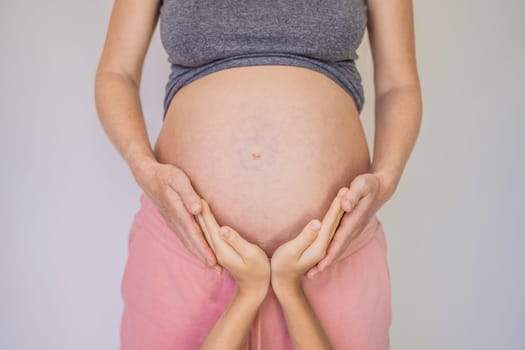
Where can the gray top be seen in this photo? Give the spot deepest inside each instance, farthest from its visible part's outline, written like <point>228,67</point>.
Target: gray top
<point>202,37</point>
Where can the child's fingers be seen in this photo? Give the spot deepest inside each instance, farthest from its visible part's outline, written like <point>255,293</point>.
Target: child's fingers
<point>241,246</point>
<point>331,217</point>
<point>201,221</point>
<point>208,216</point>
<point>209,221</point>
<point>227,253</point>
<point>335,223</point>
<point>303,240</point>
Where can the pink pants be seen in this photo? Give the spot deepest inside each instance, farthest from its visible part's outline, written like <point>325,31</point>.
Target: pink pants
<point>172,300</point>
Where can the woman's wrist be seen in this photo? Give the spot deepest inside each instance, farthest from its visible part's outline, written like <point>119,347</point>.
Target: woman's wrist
<point>388,181</point>
<point>141,163</point>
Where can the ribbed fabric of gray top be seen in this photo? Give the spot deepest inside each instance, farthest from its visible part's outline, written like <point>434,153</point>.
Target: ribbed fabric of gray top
<point>201,37</point>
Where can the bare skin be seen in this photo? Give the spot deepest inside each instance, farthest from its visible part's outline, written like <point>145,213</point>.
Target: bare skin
<point>254,273</point>
<point>398,118</point>
<point>398,112</point>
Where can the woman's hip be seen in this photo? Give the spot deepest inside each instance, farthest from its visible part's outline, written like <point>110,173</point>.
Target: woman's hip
<point>352,297</point>
<point>173,300</point>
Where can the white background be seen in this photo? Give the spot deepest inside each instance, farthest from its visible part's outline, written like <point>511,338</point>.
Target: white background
<point>454,227</point>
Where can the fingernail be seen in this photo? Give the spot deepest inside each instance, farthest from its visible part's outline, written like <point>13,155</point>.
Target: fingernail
<point>195,208</point>
<point>315,224</point>
<point>225,232</point>
<point>342,191</point>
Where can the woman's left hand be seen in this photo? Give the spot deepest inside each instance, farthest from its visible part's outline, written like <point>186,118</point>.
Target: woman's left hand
<point>360,203</point>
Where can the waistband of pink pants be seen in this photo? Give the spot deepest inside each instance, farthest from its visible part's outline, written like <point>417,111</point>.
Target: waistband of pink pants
<point>149,215</point>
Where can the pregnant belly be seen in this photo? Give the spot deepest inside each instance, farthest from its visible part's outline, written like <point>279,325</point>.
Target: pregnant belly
<point>267,146</point>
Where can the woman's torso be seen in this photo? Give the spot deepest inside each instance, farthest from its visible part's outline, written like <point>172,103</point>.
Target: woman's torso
<point>267,146</point>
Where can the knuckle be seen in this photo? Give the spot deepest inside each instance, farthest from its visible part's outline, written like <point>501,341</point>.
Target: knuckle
<point>172,211</point>
<point>178,215</point>
<point>179,183</point>
<point>171,201</point>
<point>165,179</point>
<point>178,179</point>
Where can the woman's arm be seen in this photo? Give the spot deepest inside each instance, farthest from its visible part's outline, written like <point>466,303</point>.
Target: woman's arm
<point>117,85</point>
<point>398,103</point>
<point>117,80</point>
<point>398,110</point>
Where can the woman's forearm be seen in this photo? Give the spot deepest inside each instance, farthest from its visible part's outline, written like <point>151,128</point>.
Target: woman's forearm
<point>232,327</point>
<point>397,124</point>
<point>304,328</point>
<point>120,113</point>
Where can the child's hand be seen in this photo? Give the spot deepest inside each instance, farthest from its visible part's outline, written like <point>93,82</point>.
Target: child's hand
<point>292,259</point>
<point>246,262</point>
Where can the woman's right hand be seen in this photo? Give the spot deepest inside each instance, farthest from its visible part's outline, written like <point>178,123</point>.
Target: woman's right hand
<point>171,191</point>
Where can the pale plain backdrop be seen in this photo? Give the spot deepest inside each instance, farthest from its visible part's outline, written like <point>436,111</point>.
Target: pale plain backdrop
<point>455,228</point>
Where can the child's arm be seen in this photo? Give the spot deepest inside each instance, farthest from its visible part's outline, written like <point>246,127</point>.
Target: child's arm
<point>250,267</point>
<point>289,263</point>
<point>231,329</point>
<point>303,325</point>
